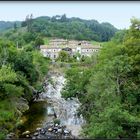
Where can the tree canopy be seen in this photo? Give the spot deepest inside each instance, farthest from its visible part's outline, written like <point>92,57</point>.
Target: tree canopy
<point>61,26</point>
<point>21,71</point>
<point>110,90</point>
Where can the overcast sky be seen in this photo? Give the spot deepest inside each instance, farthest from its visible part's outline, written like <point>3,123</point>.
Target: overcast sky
<point>117,13</point>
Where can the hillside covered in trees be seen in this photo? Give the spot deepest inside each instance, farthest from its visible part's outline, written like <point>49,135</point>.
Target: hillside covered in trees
<point>109,88</point>
<point>4,25</point>
<point>67,28</point>
<point>107,84</point>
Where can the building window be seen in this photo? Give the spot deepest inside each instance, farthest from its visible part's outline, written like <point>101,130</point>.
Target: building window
<point>54,56</point>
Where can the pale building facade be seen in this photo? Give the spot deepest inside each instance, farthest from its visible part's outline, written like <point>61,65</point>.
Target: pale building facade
<point>56,45</point>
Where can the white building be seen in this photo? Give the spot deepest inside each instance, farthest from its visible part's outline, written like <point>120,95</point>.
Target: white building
<point>55,46</point>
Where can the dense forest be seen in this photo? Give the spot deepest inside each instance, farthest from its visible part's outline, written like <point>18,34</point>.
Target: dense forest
<point>107,84</point>
<point>67,28</point>
<point>21,75</point>
<point>109,88</point>
<point>4,25</point>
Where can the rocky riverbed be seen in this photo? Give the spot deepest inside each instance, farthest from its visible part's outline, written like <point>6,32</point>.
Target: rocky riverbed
<point>62,121</point>
<point>51,130</point>
<point>65,110</point>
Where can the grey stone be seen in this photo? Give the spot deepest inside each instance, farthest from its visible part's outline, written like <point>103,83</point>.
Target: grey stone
<point>56,124</point>
<point>50,129</point>
<point>36,134</point>
<point>26,132</point>
<point>66,131</point>
<point>59,130</point>
<point>38,129</point>
<point>55,128</point>
<point>27,136</point>
<point>10,135</point>
<point>42,131</point>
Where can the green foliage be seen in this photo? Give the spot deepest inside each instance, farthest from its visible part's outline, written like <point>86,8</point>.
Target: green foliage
<point>7,74</point>
<point>63,56</point>
<point>28,22</point>
<point>4,25</point>
<point>22,61</point>
<point>77,79</point>
<point>56,121</point>
<point>7,117</point>
<point>20,72</point>
<point>110,90</point>
<point>114,89</point>
<point>7,79</point>
<point>28,37</point>
<point>39,41</point>
<point>119,36</point>
<point>32,31</point>
<point>41,66</point>
<point>46,41</point>
<point>2,135</point>
<point>107,84</point>
<point>13,90</point>
<point>73,28</point>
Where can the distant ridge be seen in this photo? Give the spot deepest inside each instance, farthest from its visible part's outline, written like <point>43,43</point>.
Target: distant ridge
<point>68,28</point>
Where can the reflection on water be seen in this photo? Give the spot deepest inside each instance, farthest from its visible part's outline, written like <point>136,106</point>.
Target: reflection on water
<point>34,117</point>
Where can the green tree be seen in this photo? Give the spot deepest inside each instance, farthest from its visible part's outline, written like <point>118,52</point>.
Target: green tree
<point>63,18</point>
<point>114,90</point>
<point>15,26</point>
<point>38,41</point>
<point>63,56</point>
<point>109,91</point>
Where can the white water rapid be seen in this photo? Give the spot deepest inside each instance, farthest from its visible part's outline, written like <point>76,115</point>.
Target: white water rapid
<point>66,110</point>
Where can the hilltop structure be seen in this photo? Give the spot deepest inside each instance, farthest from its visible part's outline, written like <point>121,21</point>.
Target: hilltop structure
<point>52,50</point>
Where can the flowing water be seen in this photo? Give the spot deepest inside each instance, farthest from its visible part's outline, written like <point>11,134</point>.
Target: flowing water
<point>51,103</point>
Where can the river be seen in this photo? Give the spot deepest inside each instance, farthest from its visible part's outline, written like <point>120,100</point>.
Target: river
<point>50,106</point>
